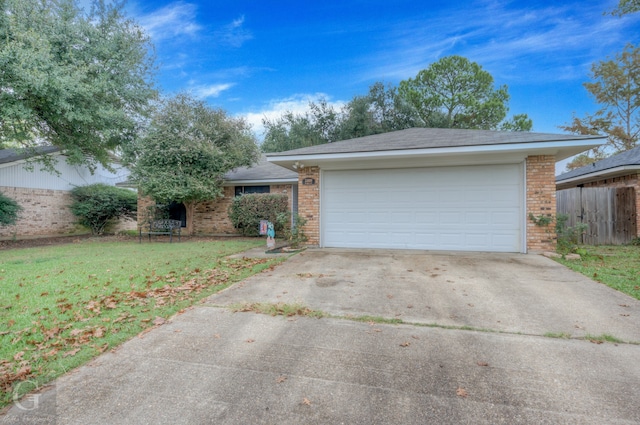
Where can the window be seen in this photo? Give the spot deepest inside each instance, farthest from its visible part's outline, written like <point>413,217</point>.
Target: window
<point>178,212</point>
<point>242,190</point>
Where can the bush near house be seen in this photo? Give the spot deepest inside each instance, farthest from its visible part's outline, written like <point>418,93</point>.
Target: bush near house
<point>246,211</point>
<point>97,205</point>
<point>9,210</point>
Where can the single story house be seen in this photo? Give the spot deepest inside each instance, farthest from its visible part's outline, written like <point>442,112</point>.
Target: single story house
<point>621,170</point>
<point>212,218</point>
<point>45,197</point>
<point>430,188</point>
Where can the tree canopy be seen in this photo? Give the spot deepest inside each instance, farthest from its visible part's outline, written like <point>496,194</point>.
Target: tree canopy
<point>78,81</point>
<point>459,91</point>
<point>186,151</point>
<point>452,92</point>
<point>626,6</point>
<point>615,86</point>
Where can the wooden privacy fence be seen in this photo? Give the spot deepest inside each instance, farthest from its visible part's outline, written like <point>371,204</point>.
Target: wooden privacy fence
<point>610,213</point>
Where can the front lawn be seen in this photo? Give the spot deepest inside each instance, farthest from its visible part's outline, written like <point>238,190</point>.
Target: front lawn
<point>615,266</point>
<point>60,306</point>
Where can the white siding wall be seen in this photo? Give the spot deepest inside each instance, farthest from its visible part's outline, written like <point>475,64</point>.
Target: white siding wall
<point>15,175</point>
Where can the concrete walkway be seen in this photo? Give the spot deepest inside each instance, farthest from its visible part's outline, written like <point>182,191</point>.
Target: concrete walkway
<point>210,365</point>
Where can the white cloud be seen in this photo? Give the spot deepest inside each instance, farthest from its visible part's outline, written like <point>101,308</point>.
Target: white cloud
<point>534,42</point>
<point>297,104</point>
<point>234,34</point>
<point>174,19</point>
<point>207,91</point>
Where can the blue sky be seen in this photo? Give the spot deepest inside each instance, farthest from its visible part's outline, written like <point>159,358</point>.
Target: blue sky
<point>260,58</point>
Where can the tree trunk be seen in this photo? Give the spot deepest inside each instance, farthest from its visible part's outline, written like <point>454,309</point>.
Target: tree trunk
<point>190,209</point>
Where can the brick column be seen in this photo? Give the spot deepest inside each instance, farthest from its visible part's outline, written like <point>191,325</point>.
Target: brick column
<point>309,203</point>
<point>541,200</point>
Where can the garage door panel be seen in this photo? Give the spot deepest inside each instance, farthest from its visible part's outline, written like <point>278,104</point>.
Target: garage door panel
<point>454,208</point>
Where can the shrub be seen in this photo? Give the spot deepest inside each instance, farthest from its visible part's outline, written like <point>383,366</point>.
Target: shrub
<point>293,234</point>
<point>246,211</point>
<point>97,205</point>
<point>568,237</point>
<point>9,211</point>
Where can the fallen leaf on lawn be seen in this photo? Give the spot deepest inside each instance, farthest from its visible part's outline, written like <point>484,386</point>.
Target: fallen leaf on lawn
<point>18,356</point>
<point>76,332</point>
<point>483,364</point>
<point>159,321</point>
<point>281,379</point>
<point>71,353</point>
<point>405,344</point>
<point>306,401</point>
<point>461,392</point>
<point>11,323</point>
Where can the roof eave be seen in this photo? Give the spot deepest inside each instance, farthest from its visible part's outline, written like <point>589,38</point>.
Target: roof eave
<point>599,175</point>
<point>260,182</point>
<point>561,149</point>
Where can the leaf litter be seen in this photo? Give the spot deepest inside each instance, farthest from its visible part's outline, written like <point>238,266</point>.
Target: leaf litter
<point>68,332</point>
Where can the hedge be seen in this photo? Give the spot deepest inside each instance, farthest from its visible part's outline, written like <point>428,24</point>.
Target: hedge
<point>246,211</point>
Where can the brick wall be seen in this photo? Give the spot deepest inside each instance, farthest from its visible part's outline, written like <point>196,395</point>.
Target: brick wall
<point>212,217</point>
<point>309,203</point>
<point>44,213</point>
<point>630,180</point>
<point>541,200</point>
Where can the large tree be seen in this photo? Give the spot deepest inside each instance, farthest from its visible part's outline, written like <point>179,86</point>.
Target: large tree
<point>458,89</point>
<point>615,86</point>
<point>81,81</point>
<point>187,150</point>
<point>318,125</point>
<point>379,111</point>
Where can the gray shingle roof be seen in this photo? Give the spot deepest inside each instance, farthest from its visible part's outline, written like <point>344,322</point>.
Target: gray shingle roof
<point>11,155</point>
<point>263,170</point>
<point>425,138</point>
<point>630,157</point>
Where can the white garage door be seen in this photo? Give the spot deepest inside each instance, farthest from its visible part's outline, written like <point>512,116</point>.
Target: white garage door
<point>474,208</point>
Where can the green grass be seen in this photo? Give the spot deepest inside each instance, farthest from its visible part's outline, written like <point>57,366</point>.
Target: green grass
<point>615,266</point>
<point>61,306</point>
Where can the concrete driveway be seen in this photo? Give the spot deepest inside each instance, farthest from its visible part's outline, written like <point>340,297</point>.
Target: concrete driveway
<point>210,365</point>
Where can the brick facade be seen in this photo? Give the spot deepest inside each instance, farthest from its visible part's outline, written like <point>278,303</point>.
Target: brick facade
<point>541,200</point>
<point>212,217</point>
<point>44,212</point>
<point>309,203</point>
<point>630,180</point>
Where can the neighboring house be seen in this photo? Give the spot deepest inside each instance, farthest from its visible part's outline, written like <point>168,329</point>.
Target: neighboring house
<point>428,188</point>
<point>212,217</point>
<point>622,170</point>
<point>45,197</point>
